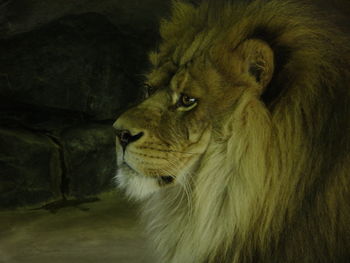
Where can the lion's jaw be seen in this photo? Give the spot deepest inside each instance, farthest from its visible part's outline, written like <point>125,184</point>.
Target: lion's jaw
<point>135,185</point>
<point>139,186</point>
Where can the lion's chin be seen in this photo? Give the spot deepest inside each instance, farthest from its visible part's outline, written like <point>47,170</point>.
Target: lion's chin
<point>137,186</point>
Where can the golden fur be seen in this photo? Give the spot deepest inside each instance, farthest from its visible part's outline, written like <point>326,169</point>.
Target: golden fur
<point>260,162</point>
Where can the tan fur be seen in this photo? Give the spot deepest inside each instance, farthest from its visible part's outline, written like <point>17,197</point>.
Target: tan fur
<point>261,164</point>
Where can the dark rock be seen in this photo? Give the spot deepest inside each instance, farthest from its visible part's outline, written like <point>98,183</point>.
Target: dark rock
<point>18,16</point>
<point>90,159</point>
<point>78,63</point>
<point>30,169</point>
<point>39,165</point>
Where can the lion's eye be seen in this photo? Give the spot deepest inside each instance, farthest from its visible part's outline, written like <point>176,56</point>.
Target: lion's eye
<point>186,102</point>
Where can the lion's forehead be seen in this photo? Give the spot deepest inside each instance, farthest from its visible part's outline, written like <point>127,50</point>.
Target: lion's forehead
<point>197,78</point>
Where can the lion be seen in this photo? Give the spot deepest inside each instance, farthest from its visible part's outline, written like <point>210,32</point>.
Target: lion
<point>240,151</point>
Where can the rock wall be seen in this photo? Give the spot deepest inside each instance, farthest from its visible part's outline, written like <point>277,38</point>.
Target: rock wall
<point>62,84</point>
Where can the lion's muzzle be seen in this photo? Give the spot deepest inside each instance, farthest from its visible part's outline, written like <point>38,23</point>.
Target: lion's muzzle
<point>125,137</point>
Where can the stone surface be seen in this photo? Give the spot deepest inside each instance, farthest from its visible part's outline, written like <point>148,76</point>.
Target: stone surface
<point>30,169</point>
<point>18,16</point>
<point>40,165</point>
<point>89,153</point>
<point>104,231</point>
<point>78,63</point>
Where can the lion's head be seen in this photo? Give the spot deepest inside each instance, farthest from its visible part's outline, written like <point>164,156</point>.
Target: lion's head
<point>245,115</point>
<point>187,105</point>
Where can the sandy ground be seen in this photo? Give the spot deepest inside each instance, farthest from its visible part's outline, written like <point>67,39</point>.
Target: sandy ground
<point>105,231</point>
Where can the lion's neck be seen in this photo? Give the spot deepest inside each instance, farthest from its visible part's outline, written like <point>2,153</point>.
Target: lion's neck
<point>208,218</point>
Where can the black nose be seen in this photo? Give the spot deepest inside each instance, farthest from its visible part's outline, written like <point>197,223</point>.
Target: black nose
<point>125,137</point>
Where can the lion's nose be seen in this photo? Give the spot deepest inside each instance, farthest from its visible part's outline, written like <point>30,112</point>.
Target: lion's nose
<point>125,137</point>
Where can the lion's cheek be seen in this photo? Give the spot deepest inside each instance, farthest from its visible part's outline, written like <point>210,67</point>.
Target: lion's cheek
<point>199,141</point>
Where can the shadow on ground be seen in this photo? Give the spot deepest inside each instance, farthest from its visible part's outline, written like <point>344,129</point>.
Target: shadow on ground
<point>102,231</point>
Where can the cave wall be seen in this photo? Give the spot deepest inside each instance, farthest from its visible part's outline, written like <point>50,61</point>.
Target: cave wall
<point>67,69</point>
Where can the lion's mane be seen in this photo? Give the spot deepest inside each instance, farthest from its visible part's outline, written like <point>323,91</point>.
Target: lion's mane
<point>276,188</point>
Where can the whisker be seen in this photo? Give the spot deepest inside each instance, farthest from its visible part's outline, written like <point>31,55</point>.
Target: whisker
<point>165,150</point>
<point>186,187</point>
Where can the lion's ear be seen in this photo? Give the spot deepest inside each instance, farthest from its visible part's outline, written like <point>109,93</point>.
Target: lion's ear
<point>257,61</point>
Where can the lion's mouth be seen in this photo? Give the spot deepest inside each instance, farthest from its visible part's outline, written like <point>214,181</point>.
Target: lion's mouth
<point>165,179</point>
<point>161,179</point>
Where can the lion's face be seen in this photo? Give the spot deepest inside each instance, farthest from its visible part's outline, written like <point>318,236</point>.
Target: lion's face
<point>161,141</point>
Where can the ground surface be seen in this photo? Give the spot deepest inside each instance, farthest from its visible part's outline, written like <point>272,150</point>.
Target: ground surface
<point>105,231</point>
